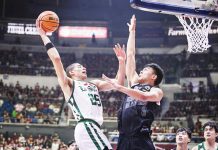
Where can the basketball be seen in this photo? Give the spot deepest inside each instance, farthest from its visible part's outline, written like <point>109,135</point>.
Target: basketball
<point>48,21</point>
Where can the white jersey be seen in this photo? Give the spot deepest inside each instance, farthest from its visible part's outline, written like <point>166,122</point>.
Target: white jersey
<point>85,102</point>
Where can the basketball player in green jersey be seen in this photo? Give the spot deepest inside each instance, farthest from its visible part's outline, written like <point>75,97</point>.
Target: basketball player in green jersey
<point>210,134</point>
<point>83,97</point>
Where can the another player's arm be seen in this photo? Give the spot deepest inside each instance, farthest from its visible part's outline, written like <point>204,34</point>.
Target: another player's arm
<point>53,54</point>
<point>154,95</point>
<point>130,63</point>
<point>121,56</point>
<point>102,85</point>
<point>120,77</point>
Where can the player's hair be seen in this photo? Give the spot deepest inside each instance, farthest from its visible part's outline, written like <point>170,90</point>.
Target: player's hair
<point>70,68</point>
<point>70,142</point>
<point>158,71</point>
<point>211,124</point>
<point>188,131</point>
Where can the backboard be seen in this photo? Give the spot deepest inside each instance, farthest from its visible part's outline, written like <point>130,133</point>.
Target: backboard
<point>196,8</point>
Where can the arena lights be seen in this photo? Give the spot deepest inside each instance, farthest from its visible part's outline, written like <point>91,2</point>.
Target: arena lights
<point>82,32</point>
<point>178,31</point>
<point>21,28</point>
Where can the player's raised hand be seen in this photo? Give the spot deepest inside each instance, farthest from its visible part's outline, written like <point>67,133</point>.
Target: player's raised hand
<point>38,27</point>
<point>132,24</point>
<point>120,52</point>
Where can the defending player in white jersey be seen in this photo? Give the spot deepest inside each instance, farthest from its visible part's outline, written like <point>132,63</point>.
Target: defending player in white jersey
<point>83,97</point>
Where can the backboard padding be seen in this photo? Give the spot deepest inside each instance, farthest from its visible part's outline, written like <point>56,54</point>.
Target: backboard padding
<point>175,7</point>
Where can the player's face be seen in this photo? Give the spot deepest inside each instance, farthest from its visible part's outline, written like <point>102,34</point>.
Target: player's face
<point>182,138</point>
<point>73,146</point>
<point>210,133</point>
<point>63,148</point>
<point>147,74</point>
<point>80,71</point>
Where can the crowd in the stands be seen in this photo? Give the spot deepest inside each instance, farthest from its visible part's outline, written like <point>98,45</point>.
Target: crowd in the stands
<point>18,141</point>
<point>30,105</point>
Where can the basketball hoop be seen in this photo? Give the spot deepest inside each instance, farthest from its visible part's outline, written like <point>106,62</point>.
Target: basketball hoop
<point>196,30</point>
<point>196,17</point>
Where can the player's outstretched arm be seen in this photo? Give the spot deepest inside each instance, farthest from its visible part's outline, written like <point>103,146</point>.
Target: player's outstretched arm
<point>54,56</point>
<point>120,77</point>
<point>154,95</point>
<point>130,63</point>
<point>121,56</point>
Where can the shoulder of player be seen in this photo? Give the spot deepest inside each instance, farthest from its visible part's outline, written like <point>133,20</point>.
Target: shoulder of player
<point>153,90</point>
<point>157,89</point>
<point>158,94</point>
<point>195,147</point>
<point>95,82</point>
<point>66,82</point>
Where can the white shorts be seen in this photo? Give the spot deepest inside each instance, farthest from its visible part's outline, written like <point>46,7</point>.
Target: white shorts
<point>88,136</point>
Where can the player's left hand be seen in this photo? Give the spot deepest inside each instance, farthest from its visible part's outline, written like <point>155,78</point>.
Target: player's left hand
<point>120,52</point>
<point>111,81</point>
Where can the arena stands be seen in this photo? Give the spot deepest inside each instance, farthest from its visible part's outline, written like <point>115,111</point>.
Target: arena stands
<point>27,142</point>
<point>21,62</point>
<point>200,65</point>
<point>37,63</point>
<point>30,105</point>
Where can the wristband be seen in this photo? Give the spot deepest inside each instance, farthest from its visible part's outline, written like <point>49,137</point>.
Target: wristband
<point>49,46</point>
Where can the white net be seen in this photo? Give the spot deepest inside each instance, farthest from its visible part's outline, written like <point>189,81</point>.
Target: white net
<point>197,32</point>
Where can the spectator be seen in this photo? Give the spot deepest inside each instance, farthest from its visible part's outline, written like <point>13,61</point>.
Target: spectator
<point>94,39</point>
<point>190,122</point>
<point>63,146</point>
<point>72,146</point>
<point>184,88</point>
<point>190,87</point>
<point>47,142</point>
<point>21,139</point>
<point>55,144</point>
<point>198,126</point>
<point>30,140</point>
<point>1,84</point>
<point>201,90</point>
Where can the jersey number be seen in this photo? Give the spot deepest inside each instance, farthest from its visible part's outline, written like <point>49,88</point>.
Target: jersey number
<point>95,100</point>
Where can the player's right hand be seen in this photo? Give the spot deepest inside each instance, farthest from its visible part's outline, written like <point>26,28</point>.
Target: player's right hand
<point>38,27</point>
<point>132,24</point>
